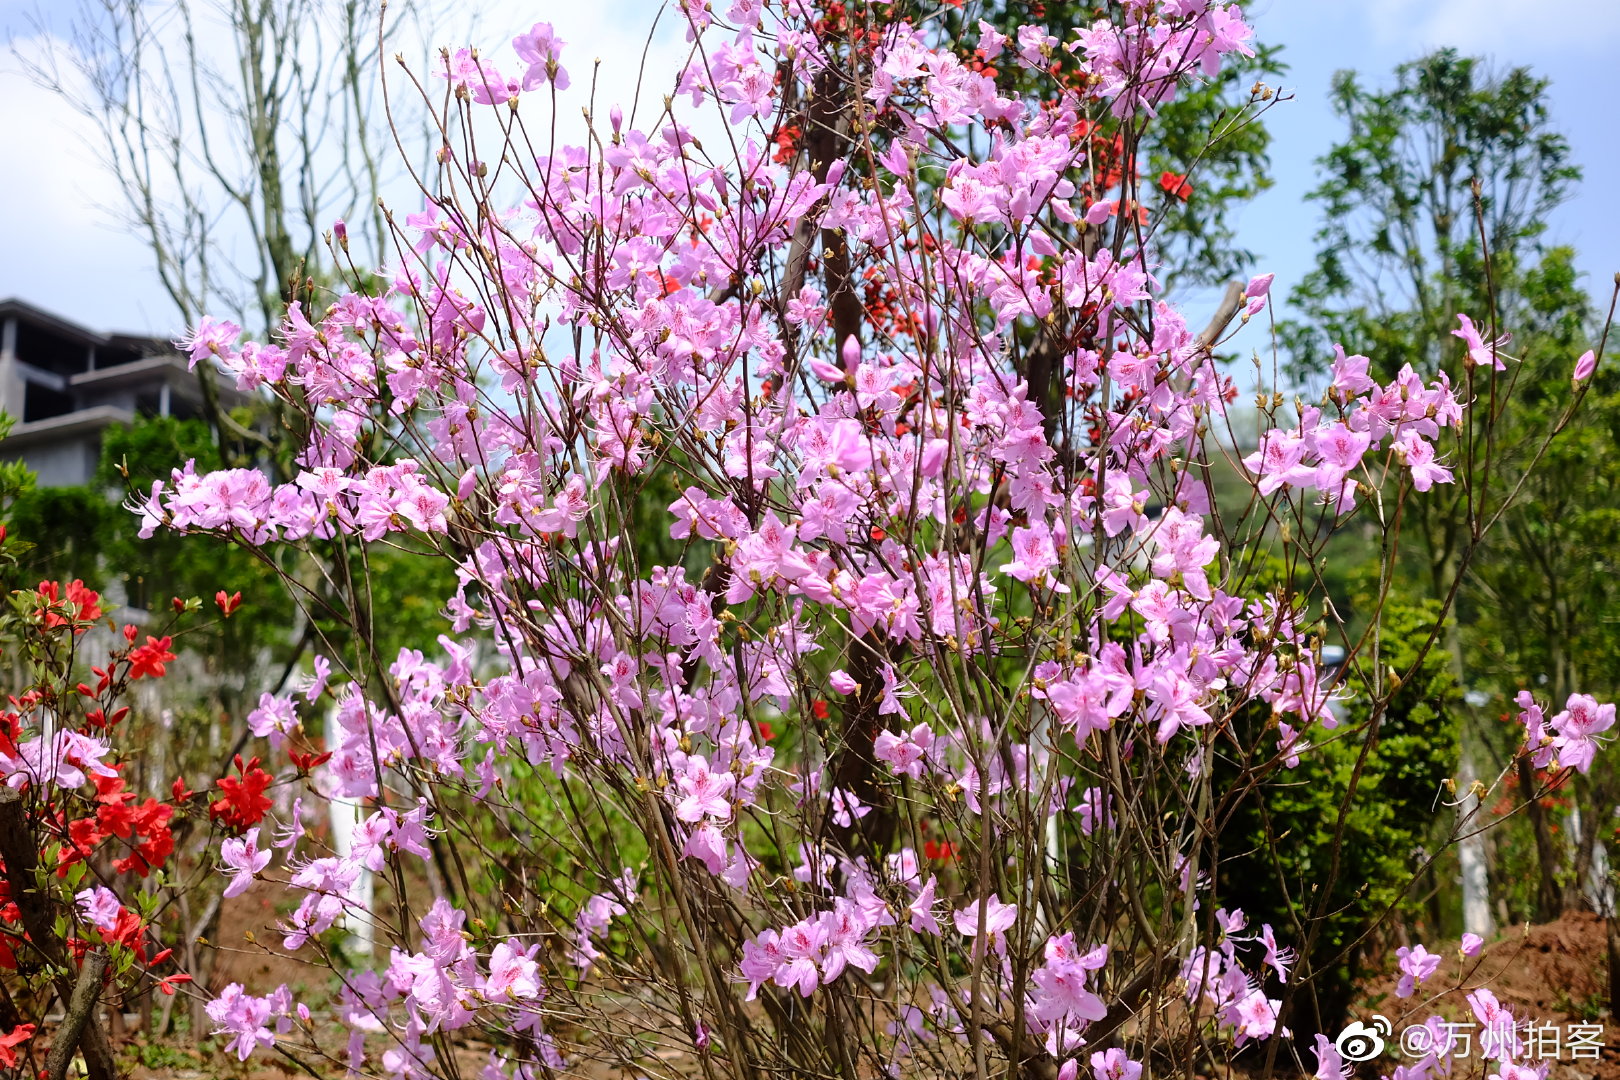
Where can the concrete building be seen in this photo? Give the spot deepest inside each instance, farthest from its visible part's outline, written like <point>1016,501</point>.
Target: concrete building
<point>64,385</point>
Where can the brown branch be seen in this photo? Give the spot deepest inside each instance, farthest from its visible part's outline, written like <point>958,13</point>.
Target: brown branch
<point>1231,303</point>
<point>80,1007</point>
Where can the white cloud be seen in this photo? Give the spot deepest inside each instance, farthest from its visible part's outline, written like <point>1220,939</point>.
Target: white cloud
<point>59,207</point>
<point>64,247</point>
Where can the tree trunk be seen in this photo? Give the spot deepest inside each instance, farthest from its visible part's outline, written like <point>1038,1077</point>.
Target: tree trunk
<point>1549,902</point>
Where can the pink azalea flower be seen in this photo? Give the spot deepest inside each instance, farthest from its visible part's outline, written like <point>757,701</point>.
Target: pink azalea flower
<point>209,338</point>
<point>905,753</point>
<point>703,793</point>
<point>921,909</point>
<point>1329,1064</point>
<point>1578,726</point>
<point>998,918</point>
<point>1275,958</point>
<point>1112,1064</point>
<point>244,859</point>
<point>1416,965</point>
<point>540,49</point>
<point>100,907</point>
<point>513,973</point>
<point>1480,352</point>
<point>1419,456</point>
<point>801,945</point>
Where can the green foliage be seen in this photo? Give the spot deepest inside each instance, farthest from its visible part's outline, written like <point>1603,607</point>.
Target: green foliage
<point>1400,249</point>
<point>1281,841</point>
<point>15,477</point>
<point>65,528</point>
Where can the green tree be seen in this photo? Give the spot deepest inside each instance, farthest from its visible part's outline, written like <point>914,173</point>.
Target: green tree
<point>1437,203</point>
<point>1404,241</point>
<point>1280,844</point>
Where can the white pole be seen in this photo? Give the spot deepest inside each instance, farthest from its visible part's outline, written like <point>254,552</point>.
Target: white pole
<point>1476,893</point>
<point>346,813</point>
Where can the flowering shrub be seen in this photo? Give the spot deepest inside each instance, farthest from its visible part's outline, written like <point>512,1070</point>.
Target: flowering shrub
<point>960,572</point>
<point>88,860</point>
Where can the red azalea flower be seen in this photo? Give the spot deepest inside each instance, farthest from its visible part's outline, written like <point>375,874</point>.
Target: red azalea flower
<point>242,804</point>
<point>152,823</point>
<point>83,836</point>
<point>170,983</point>
<point>86,602</point>
<point>78,605</point>
<point>149,659</point>
<point>117,817</point>
<point>129,931</point>
<point>307,761</point>
<point>9,1043</point>
<point>1176,184</point>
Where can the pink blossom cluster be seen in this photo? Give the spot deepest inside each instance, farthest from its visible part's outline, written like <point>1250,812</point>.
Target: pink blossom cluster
<point>1326,452</point>
<point>1575,735</point>
<point>248,1019</point>
<point>813,951</point>
<point>445,986</point>
<point>874,509</point>
<point>65,759</point>
<point>1216,977</point>
<point>596,914</point>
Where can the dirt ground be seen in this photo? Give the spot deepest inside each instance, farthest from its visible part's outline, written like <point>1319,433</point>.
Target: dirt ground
<point>1552,974</point>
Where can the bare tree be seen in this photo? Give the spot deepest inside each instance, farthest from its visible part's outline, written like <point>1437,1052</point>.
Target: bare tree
<point>238,132</point>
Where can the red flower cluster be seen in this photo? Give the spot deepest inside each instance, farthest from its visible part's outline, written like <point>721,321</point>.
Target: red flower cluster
<point>242,803</point>
<point>9,1043</point>
<point>80,606</point>
<point>787,143</point>
<point>144,829</point>
<point>1176,184</point>
<point>149,659</point>
<point>129,931</point>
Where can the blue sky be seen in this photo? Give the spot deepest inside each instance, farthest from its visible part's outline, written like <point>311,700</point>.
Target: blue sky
<point>1571,42</point>
<point>64,250</point>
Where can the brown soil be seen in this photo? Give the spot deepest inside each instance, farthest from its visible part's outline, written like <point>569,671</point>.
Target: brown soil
<point>1555,973</point>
